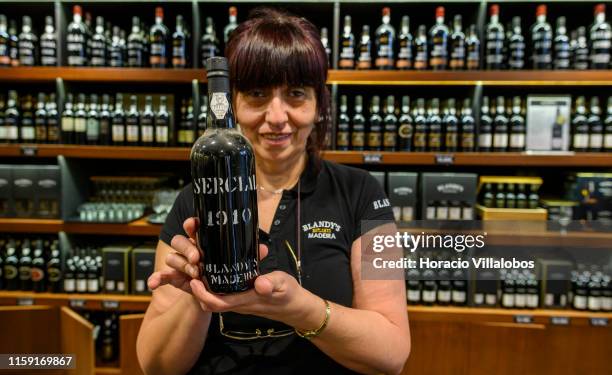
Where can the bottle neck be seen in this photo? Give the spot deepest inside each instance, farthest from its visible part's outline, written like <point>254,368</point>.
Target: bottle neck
<point>440,20</point>
<point>232,20</point>
<point>541,18</point>
<point>158,20</point>
<point>77,18</point>
<point>220,113</point>
<point>494,19</point>
<point>600,17</point>
<point>386,20</point>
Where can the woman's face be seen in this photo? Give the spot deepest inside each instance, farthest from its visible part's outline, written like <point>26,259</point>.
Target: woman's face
<point>277,121</point>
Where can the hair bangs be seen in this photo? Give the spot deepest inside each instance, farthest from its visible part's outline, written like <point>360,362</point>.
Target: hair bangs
<point>276,53</point>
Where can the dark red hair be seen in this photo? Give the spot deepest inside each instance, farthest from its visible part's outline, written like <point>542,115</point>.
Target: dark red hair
<point>275,48</point>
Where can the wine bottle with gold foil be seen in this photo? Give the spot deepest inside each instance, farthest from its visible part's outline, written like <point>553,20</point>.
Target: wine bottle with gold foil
<point>225,192</point>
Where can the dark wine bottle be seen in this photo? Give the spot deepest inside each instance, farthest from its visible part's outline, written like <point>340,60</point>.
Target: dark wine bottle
<point>162,124</point>
<point>225,192</point>
<point>11,264</point>
<point>28,44</point>
<point>53,127</point>
<point>344,127</point>
<point>135,45</point>
<point>38,268</point>
<point>405,130</point>
<point>40,119</point>
<point>48,44</point>
<point>80,121</point>
<point>105,121</point>
<point>147,117</point>
<point>132,123</point>
<point>25,266</point>
<point>68,121</point>
<point>5,57</point>
<point>209,45</point>
<point>118,122</point>
<point>54,269</point>
<point>358,128</point>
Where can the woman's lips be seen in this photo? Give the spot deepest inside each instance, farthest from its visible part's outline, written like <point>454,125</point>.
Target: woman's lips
<point>276,139</point>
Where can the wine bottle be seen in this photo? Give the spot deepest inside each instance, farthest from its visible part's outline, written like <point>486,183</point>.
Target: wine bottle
<point>468,127</point>
<point>209,44</point>
<point>494,40</point>
<point>472,44</point>
<point>595,126</point>
<point>80,121</point>
<point>162,124</point>
<point>76,39</point>
<point>438,36</point>
<point>385,39</point>
<point>116,49</point>
<point>420,49</point>
<point>457,45</point>
<point>132,125</point>
<point>580,127</point>
<point>608,127</point>
<point>364,60</point>
<point>601,39</point>
<point>105,121</point>
<point>450,125</point>
<point>13,43</point>
<point>93,121</point>
<point>27,133</point>
<point>40,119</point>
<point>500,127</point>
<point>517,127</point>
<point>580,52</point>
<point>485,131</point>
<point>390,125</point>
<point>347,45</point>
<point>146,123</point>
<point>541,35</point>
<point>135,46</point>
<point>68,121</point>
<point>25,266</point>
<point>420,127</point>
<point>562,47</point>
<point>434,124</point>
<point>405,130</point>
<point>232,24</point>
<point>11,266</point>
<point>179,45</point>
<point>5,57</point>
<point>225,192</point>
<point>557,131</point>
<point>404,54</point>
<point>98,45</point>
<point>38,268</point>
<point>54,269</point>
<point>344,127</point>
<point>516,46</point>
<point>53,126</point>
<point>118,121</point>
<point>358,129</point>
<point>375,125</point>
<point>28,44</point>
<point>48,44</point>
<point>158,37</point>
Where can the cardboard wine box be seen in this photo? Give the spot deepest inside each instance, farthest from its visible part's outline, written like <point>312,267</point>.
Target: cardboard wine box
<point>115,268</point>
<point>6,191</point>
<point>48,196</point>
<point>402,192</point>
<point>143,265</point>
<point>24,189</point>
<point>548,122</point>
<point>448,196</point>
<point>556,282</point>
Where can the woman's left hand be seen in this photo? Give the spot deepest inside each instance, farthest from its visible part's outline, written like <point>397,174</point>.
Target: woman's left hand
<point>276,295</point>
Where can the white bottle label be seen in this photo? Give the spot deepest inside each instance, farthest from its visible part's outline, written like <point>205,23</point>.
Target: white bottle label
<point>68,285</point>
<point>580,302</point>
<point>581,141</point>
<point>532,301</point>
<point>79,125</point>
<point>414,295</point>
<point>407,213</point>
<point>594,303</point>
<point>81,285</point>
<point>491,299</point>
<point>478,298</point>
<point>608,142</point>
<point>109,286</point>
<point>92,286</point>
<point>508,300</point>
<point>429,296</point>
<point>444,295</point>
<point>520,300</point>
<point>595,141</point>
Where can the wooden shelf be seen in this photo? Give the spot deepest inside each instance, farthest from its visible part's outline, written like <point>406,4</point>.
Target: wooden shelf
<point>525,234</point>
<point>107,371</point>
<point>516,159</point>
<point>435,313</point>
<point>500,315</point>
<point>85,74</point>
<point>119,302</point>
<point>341,77</point>
<point>470,78</point>
<point>136,228</point>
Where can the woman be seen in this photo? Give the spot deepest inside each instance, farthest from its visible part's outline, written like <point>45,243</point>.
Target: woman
<point>310,311</point>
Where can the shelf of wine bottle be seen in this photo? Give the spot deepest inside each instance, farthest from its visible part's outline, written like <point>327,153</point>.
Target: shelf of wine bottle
<point>340,77</point>
<point>136,228</point>
<point>117,302</point>
<point>517,159</point>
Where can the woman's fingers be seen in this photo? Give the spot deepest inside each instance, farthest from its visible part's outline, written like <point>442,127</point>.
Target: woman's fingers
<point>191,227</point>
<point>263,251</point>
<point>169,277</point>
<point>186,248</point>
<point>180,263</point>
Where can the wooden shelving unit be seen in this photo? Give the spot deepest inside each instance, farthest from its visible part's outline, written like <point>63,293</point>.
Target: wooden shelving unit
<point>340,77</point>
<point>516,159</point>
<point>85,74</point>
<point>136,228</point>
<point>119,302</point>
<point>427,313</point>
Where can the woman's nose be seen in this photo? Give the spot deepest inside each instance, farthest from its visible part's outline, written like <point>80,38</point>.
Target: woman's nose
<point>276,114</point>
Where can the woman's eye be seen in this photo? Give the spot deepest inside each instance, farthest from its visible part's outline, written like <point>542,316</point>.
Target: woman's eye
<point>297,93</point>
<point>256,93</point>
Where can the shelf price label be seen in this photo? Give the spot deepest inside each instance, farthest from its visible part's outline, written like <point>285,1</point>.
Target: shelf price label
<point>445,159</point>
<point>77,303</point>
<point>523,319</point>
<point>599,322</point>
<point>29,150</point>
<point>369,158</point>
<point>110,304</point>
<point>560,320</point>
<point>25,301</point>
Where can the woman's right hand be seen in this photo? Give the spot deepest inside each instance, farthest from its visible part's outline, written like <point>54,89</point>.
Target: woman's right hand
<point>183,263</point>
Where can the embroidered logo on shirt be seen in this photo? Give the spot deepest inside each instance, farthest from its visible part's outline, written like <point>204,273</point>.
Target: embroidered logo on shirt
<point>381,203</point>
<point>322,229</point>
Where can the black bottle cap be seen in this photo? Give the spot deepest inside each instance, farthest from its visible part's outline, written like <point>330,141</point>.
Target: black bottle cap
<point>217,66</point>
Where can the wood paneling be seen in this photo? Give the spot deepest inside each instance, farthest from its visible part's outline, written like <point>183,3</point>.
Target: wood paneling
<point>77,338</point>
<point>86,301</point>
<point>128,333</point>
<point>86,74</point>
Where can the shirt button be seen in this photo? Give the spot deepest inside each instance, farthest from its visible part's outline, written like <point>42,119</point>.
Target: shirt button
<point>282,207</point>
<point>276,222</point>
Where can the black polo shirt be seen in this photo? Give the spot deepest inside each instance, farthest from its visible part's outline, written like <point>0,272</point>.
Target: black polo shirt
<point>334,200</point>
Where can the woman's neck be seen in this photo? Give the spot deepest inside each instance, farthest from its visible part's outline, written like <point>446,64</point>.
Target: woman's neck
<point>275,175</point>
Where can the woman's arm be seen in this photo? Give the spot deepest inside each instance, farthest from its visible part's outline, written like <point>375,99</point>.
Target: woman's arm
<point>175,326</point>
<point>374,335</point>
